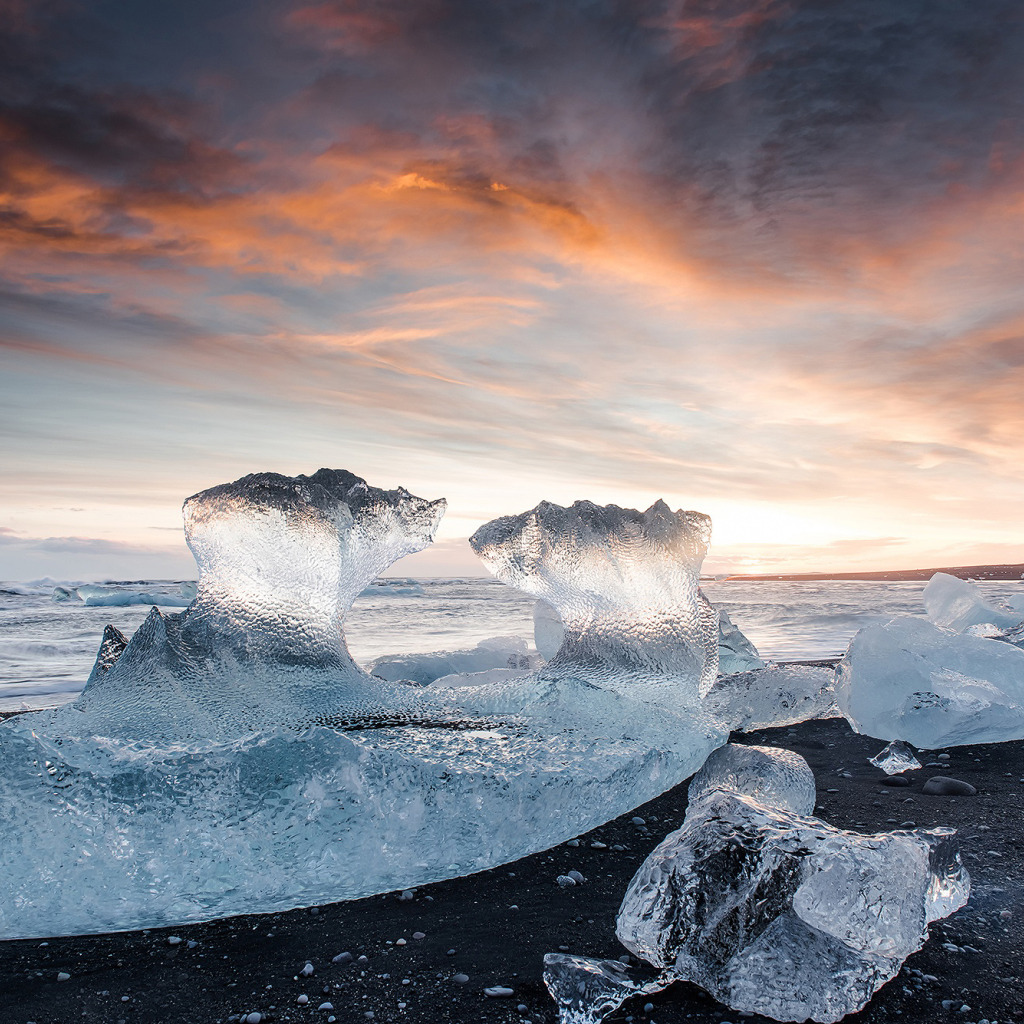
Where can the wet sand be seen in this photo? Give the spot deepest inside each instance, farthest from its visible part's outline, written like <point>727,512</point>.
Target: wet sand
<point>499,924</point>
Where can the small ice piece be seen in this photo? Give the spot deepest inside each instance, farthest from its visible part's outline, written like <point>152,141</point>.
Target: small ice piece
<point>781,914</point>
<point>587,990</point>
<point>957,604</point>
<point>111,648</point>
<point>548,631</point>
<point>895,758</point>
<point>624,583</point>
<point>908,679</point>
<point>61,595</point>
<point>502,652</point>
<point>772,696</point>
<point>770,775</point>
<point>735,652</point>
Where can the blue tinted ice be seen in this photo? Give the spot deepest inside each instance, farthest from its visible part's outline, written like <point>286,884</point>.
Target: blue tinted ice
<point>234,759</point>
<point>624,583</point>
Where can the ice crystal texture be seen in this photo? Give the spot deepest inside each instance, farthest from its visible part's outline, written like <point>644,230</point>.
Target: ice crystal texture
<point>586,990</point>
<point>896,758</point>
<point>769,775</point>
<point>910,680</point>
<point>772,696</point>
<point>624,583</point>
<point>280,560</point>
<point>778,913</point>
<point>770,910</point>
<point>234,759</point>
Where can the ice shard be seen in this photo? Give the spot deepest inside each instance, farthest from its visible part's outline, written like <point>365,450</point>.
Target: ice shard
<point>770,775</point>
<point>735,652</point>
<point>234,759</point>
<point>910,680</point>
<point>768,909</point>
<point>624,583</point>
<point>587,990</point>
<point>895,758</point>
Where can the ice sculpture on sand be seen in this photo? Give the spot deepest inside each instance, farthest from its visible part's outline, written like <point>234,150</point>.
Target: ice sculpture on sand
<point>624,583</point>
<point>768,909</point>
<point>234,759</point>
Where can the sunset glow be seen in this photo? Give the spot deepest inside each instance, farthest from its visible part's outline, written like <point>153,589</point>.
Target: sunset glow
<point>760,259</point>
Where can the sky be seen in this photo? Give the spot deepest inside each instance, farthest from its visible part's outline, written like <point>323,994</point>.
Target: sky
<point>762,259</point>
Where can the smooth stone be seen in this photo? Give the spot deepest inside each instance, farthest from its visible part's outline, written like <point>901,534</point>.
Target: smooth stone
<point>895,780</point>
<point>941,785</point>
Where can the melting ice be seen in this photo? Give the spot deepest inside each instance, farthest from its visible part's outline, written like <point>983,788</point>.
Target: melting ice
<point>768,909</point>
<point>233,758</point>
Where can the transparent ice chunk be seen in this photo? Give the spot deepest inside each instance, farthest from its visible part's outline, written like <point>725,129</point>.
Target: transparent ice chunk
<point>780,914</point>
<point>624,583</point>
<point>496,653</point>
<point>772,696</point>
<point>770,775</point>
<point>281,560</point>
<point>895,758</point>
<point>957,604</point>
<point>233,758</point>
<point>587,990</point>
<point>735,652</point>
<point>908,679</point>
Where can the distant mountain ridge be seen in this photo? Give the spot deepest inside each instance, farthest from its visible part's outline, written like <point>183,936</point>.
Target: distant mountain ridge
<point>973,572</point>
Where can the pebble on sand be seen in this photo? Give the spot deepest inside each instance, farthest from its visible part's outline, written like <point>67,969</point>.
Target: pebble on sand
<point>499,992</point>
<point>942,785</point>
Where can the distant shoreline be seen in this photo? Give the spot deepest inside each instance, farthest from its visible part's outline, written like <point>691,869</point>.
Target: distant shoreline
<point>974,572</point>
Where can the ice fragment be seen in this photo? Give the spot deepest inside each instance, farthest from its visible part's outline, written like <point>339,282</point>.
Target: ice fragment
<point>911,680</point>
<point>895,758</point>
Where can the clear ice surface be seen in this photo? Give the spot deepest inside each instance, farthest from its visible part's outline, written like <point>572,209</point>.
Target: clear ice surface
<point>768,909</point>
<point>234,759</point>
<point>735,652</point>
<point>910,680</point>
<point>623,582</point>
<point>587,990</point>
<point>772,696</point>
<point>957,604</point>
<point>769,775</point>
<point>895,758</point>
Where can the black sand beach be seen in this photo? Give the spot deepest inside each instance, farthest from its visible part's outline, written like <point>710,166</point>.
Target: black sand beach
<point>495,927</point>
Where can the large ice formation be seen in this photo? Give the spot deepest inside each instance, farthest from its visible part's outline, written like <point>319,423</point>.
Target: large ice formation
<point>234,759</point>
<point>958,604</point>
<point>624,583</point>
<point>770,910</point>
<point>908,679</point>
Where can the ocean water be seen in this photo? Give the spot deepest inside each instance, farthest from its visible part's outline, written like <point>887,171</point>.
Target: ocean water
<point>47,648</point>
